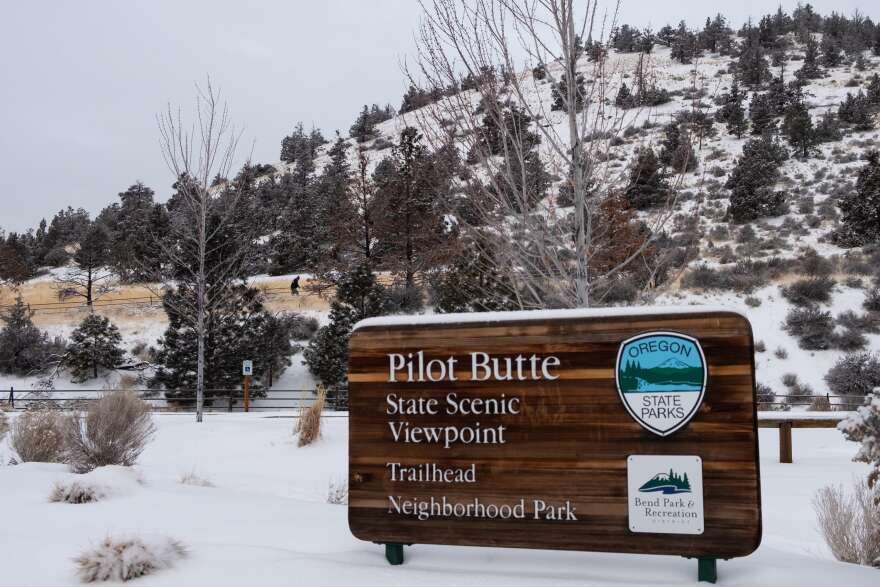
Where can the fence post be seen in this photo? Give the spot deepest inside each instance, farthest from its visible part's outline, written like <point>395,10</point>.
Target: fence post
<point>11,397</point>
<point>785,442</point>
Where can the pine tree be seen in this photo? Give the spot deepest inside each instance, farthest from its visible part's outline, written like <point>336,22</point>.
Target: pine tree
<point>860,210</point>
<point>24,349</point>
<point>732,112</point>
<point>647,185</point>
<point>94,343</point>
<point>363,128</point>
<point>91,277</point>
<point>138,223</point>
<point>752,68</point>
<point>828,129</point>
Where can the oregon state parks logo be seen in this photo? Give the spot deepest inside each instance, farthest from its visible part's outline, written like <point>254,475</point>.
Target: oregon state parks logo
<point>661,379</point>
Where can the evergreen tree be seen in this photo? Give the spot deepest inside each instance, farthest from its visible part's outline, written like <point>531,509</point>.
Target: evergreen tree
<point>24,349</point>
<point>685,45</point>
<point>860,210</point>
<point>762,114</point>
<point>752,68</point>
<point>363,128</point>
<point>798,128</point>
<point>412,191</point>
<point>560,94</point>
<point>831,52</point>
<point>874,90</point>
<point>732,112</point>
<point>91,277</point>
<point>828,129</point>
<point>647,185</point>
<point>138,223</point>
<point>233,330</point>
<point>855,110</point>
<point>94,343</point>
<point>810,68</point>
<point>358,296</point>
<point>751,182</point>
<point>625,98</point>
<point>677,151</point>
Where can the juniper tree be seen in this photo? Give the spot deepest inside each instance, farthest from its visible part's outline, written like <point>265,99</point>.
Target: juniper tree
<point>856,111</point>
<point>863,427</point>
<point>831,51</point>
<point>732,112</point>
<point>676,149</point>
<point>860,210</point>
<point>798,128</point>
<point>93,344</point>
<point>647,185</point>
<point>137,222</point>
<point>560,94</point>
<point>363,128</point>
<point>828,128</point>
<point>762,114</point>
<point>24,348</point>
<point>358,296</point>
<point>810,68</point>
<point>751,181</point>
<point>752,68</point>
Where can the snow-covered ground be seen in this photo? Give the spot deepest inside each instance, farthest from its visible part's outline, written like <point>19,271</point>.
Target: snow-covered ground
<point>266,520</point>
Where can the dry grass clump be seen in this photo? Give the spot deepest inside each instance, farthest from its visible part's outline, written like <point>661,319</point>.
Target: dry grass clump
<point>337,492</point>
<point>4,424</point>
<point>124,559</point>
<point>850,523</point>
<point>194,479</point>
<point>309,424</point>
<point>37,437</point>
<point>114,431</point>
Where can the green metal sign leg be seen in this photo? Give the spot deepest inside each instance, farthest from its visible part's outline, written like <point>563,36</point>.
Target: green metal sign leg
<point>707,570</point>
<point>394,553</point>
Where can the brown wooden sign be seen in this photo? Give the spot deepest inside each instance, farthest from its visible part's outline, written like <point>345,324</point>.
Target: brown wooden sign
<point>601,430</point>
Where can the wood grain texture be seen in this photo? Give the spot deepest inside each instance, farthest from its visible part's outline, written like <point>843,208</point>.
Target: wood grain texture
<point>570,441</point>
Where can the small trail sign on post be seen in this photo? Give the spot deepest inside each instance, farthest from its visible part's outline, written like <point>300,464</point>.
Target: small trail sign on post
<point>247,369</point>
<point>619,430</point>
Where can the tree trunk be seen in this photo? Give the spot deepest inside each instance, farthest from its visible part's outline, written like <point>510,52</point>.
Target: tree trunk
<point>200,320</point>
<point>582,290</point>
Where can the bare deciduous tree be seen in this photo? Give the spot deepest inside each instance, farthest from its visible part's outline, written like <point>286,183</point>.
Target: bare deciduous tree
<point>197,251</point>
<point>486,51</point>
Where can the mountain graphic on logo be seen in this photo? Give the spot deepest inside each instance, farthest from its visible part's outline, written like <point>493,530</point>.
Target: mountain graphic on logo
<point>667,483</point>
<point>673,363</point>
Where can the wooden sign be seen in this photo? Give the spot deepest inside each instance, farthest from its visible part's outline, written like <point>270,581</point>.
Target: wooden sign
<point>603,430</point>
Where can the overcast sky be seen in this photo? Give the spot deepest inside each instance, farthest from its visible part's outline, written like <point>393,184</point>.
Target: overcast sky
<point>81,82</point>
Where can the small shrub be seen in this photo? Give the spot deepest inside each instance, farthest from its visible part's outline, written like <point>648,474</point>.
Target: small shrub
<point>851,340</point>
<point>789,380</point>
<point>854,282</point>
<point>813,328</point>
<point>302,327</point>
<point>337,492</point>
<point>37,437</point>
<point>76,492</point>
<point>114,431</point>
<point>753,302</point>
<point>760,347</point>
<point>124,559</point>
<point>808,291</point>
<point>767,398</point>
<point>780,353</point>
<point>308,426</point>
<point>855,374</point>
<point>850,523</point>
<point>867,323</point>
<point>872,300</point>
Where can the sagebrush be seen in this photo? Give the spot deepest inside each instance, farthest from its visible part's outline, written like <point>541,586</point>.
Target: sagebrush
<point>850,522</point>
<point>113,431</point>
<point>37,437</point>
